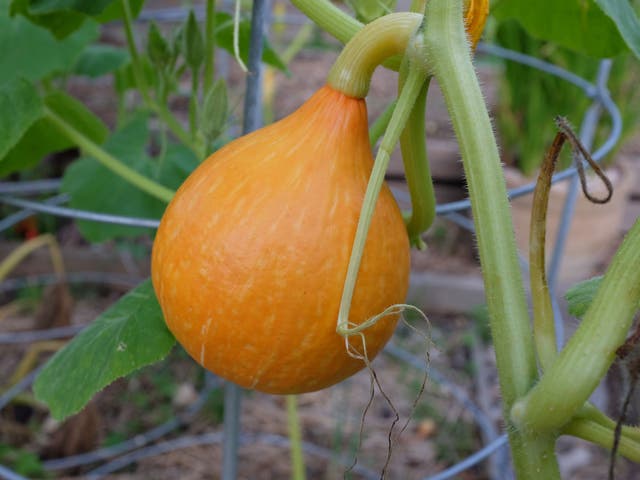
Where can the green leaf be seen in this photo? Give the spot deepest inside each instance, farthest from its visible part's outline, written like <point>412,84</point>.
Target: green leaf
<point>579,296</point>
<point>94,187</point>
<point>625,18</point>
<point>367,11</point>
<point>213,115</point>
<point>178,162</point>
<point>158,48</point>
<point>99,59</point>
<point>43,138</point>
<point>193,43</point>
<point>224,39</point>
<point>129,335</point>
<point>20,107</point>
<point>60,23</point>
<point>578,25</point>
<point>114,11</point>
<point>88,7</point>
<point>32,52</point>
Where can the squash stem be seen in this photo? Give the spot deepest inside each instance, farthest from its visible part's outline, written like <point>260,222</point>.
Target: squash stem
<point>329,18</point>
<point>387,36</point>
<point>406,100</point>
<point>416,166</point>
<point>449,55</point>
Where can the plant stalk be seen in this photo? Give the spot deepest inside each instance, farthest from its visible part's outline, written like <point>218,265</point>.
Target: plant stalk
<point>136,64</point>
<point>401,113</point>
<point>416,167</point>
<point>138,180</point>
<point>295,439</point>
<point>209,46</point>
<point>384,37</point>
<point>449,56</point>
<point>565,387</point>
<point>543,325</point>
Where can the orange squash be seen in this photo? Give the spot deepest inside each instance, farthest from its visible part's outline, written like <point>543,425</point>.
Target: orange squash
<point>250,258</point>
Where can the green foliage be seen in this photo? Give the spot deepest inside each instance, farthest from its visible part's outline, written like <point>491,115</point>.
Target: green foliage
<point>99,59</point>
<point>32,52</point>
<point>129,335</point>
<point>64,17</point>
<point>193,43</point>
<point>367,10</point>
<point>580,296</point>
<point>94,187</point>
<point>224,39</point>
<point>21,461</point>
<point>625,18</point>
<point>213,115</point>
<point>20,107</point>
<point>42,138</point>
<point>578,25</point>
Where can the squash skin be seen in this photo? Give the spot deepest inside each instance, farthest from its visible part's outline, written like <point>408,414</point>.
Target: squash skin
<point>250,257</point>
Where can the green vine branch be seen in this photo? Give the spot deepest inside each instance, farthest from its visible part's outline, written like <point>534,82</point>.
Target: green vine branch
<point>565,387</point>
<point>136,179</point>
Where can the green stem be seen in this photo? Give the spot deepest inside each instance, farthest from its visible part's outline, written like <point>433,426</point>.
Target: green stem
<point>386,36</point>
<point>337,23</point>
<point>566,386</point>
<point>591,431</point>
<point>167,117</point>
<point>591,413</point>
<point>416,167</point>
<point>136,64</point>
<point>449,56</point>
<point>295,439</point>
<point>543,324</point>
<point>407,98</point>
<point>193,103</point>
<point>329,18</point>
<point>209,46</point>
<point>377,128</point>
<point>116,166</point>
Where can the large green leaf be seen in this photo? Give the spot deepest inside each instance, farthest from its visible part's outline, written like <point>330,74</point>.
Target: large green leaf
<point>224,38</point>
<point>625,18</point>
<point>576,24</point>
<point>20,107</point>
<point>88,7</point>
<point>129,335</point>
<point>94,187</point>
<point>43,137</point>
<point>32,52</point>
<point>114,11</point>
<point>100,59</point>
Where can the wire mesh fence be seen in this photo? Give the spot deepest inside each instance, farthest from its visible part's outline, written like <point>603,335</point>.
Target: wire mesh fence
<point>153,442</point>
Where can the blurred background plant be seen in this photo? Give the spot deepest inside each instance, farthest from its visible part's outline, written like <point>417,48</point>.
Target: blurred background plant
<point>529,99</point>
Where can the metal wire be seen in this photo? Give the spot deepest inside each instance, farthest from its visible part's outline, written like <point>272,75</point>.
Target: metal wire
<point>80,214</point>
<point>252,121</point>
<point>17,217</point>
<point>8,474</point>
<point>30,187</point>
